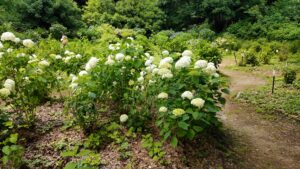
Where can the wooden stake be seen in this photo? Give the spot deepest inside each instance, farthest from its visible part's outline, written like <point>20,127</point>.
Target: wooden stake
<point>273,82</point>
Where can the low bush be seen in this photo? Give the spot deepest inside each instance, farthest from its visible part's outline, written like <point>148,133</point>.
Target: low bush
<point>289,75</point>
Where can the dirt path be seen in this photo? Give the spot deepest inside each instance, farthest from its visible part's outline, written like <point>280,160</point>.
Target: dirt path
<point>263,144</point>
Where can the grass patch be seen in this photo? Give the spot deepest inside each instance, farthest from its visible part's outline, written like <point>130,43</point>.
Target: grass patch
<point>285,100</point>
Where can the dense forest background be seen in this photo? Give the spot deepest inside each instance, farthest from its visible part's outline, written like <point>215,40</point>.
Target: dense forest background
<point>273,19</point>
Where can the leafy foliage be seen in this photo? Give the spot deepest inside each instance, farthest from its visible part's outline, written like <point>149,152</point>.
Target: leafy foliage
<point>124,13</point>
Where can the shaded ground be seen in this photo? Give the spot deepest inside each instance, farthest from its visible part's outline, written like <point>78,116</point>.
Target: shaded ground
<point>263,143</point>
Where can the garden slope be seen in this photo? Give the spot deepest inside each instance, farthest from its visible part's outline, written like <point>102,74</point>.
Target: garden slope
<point>265,143</point>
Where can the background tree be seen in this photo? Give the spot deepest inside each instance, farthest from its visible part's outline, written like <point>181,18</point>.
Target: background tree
<point>24,14</point>
<point>125,13</point>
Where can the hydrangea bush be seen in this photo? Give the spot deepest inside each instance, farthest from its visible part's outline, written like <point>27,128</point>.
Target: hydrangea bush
<point>182,95</point>
<point>124,82</point>
<point>109,86</point>
<point>188,97</point>
<point>26,79</point>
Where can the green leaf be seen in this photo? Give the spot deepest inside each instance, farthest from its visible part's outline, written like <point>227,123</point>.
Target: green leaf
<point>196,115</point>
<point>6,150</point>
<point>13,138</point>
<point>222,100</point>
<point>185,117</point>
<point>174,141</point>
<point>84,152</point>
<point>70,165</point>
<point>212,108</point>
<point>225,90</point>
<point>70,153</point>
<point>191,134</point>
<point>159,122</point>
<point>167,135</point>
<point>197,128</point>
<point>183,125</point>
<point>5,160</point>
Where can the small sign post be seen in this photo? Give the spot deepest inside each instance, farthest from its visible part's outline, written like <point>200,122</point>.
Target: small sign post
<point>273,82</point>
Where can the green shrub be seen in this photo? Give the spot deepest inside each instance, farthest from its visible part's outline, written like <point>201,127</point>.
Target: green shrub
<point>57,30</point>
<point>289,76</point>
<point>251,58</point>
<point>124,14</point>
<point>204,50</point>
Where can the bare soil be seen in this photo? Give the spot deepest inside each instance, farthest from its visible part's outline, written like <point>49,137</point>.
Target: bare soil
<point>262,143</point>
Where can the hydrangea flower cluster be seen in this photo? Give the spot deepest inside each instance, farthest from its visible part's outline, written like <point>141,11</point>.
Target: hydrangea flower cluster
<point>69,56</point>
<point>9,87</point>
<point>9,36</point>
<point>28,43</point>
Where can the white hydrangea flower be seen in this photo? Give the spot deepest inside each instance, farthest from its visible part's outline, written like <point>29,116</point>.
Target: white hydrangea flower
<point>44,63</point>
<point>1,54</point>
<point>91,63</point>
<point>183,62</point>
<point>17,40</point>
<point>28,43</point>
<point>78,56</point>
<point>83,72</point>
<point>150,68</point>
<point>163,109</point>
<point>163,95</point>
<point>165,65</point>
<point>165,60</point>
<point>111,47</point>
<point>147,55</point>
<point>143,73</point>
<point>26,78</point>
<point>152,81</point>
<point>9,84</point>
<point>211,69</point>
<point>8,36</point>
<point>127,58</point>
<point>21,55</point>
<point>109,62</point>
<point>155,71</point>
<point>210,64</point>
<point>130,38</point>
<point>120,56</point>
<point>140,79</point>
<point>201,64</point>
<point>178,112</point>
<point>69,53</point>
<point>1,45</point>
<point>148,62</point>
<point>4,92</point>
<point>187,94</point>
<point>151,58</point>
<point>187,53</point>
<point>131,82</point>
<point>73,85</point>
<point>123,118</point>
<point>58,57</point>
<point>216,75</point>
<point>67,59</point>
<point>9,50</point>
<point>165,53</point>
<point>165,73</point>
<point>74,78</point>
<point>198,102</point>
